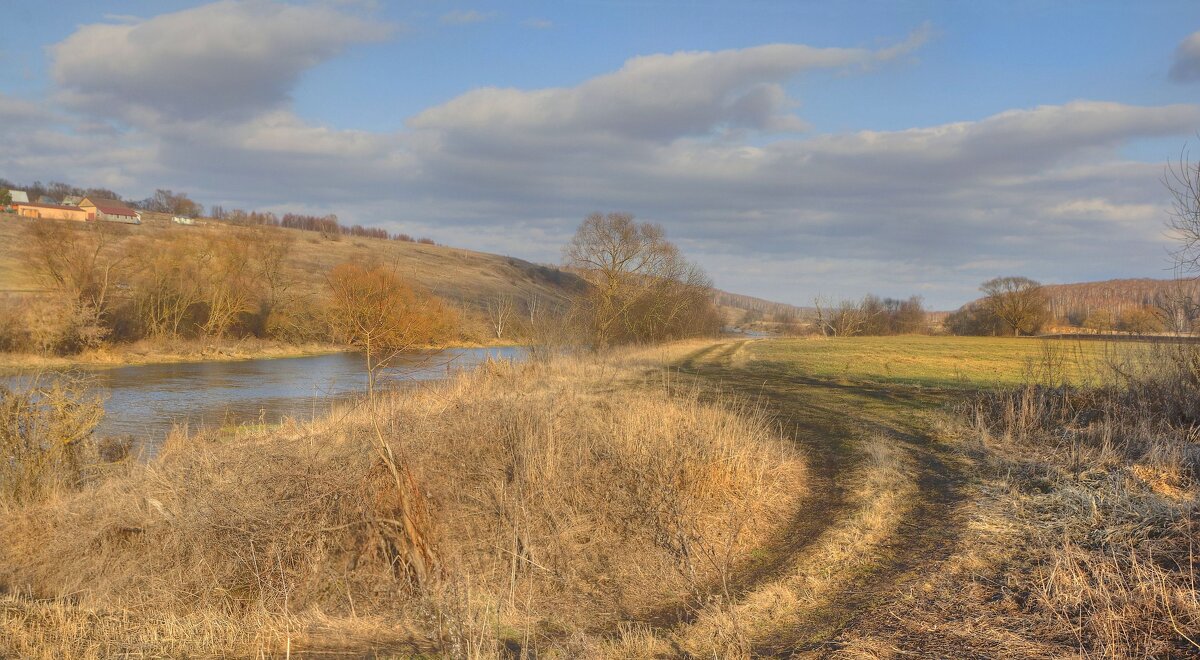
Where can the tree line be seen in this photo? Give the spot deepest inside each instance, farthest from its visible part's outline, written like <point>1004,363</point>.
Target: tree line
<point>181,204</point>
<point>327,225</point>
<point>869,316</point>
<point>113,284</point>
<point>1021,306</point>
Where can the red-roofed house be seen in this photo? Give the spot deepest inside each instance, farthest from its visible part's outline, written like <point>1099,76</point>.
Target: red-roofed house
<point>109,210</point>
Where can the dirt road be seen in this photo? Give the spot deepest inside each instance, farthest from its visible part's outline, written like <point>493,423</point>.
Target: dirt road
<point>880,509</point>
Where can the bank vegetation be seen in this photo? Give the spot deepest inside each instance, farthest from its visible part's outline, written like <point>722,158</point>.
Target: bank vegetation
<point>110,293</point>
<point>557,499</point>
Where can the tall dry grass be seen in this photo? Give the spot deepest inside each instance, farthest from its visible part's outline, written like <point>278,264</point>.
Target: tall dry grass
<point>1099,486</point>
<point>563,500</point>
<point>46,442</point>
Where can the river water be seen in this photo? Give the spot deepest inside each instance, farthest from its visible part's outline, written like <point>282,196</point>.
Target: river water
<point>145,401</point>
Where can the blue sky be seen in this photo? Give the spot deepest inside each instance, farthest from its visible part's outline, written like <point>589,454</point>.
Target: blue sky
<point>795,149</point>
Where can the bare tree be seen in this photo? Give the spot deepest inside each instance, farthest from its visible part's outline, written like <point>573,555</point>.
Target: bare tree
<point>640,288</point>
<point>1017,301</point>
<point>1178,308</point>
<point>166,201</point>
<point>1182,180</point>
<point>270,255</point>
<point>228,282</point>
<point>845,319</point>
<point>168,284</point>
<point>500,309</point>
<point>81,261</point>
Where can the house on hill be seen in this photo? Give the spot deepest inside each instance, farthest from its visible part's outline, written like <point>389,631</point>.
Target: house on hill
<point>109,210</point>
<point>51,212</point>
<point>18,197</point>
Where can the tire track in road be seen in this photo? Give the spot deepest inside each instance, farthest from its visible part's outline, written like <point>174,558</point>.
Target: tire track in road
<point>830,421</point>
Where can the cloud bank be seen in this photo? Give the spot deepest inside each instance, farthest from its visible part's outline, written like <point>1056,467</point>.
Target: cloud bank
<point>709,143</point>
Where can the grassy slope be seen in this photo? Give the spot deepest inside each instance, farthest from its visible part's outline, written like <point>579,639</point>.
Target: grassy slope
<point>465,278</point>
<point>455,274</point>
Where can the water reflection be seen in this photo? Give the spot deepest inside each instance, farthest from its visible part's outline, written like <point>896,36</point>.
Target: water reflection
<point>145,401</point>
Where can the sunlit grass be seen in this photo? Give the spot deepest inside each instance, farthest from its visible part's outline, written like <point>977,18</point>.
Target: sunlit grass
<point>939,361</point>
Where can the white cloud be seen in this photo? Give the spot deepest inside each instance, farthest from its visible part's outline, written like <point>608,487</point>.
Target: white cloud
<point>707,143</point>
<point>466,17</point>
<point>227,59</point>
<point>538,23</point>
<point>656,97</point>
<point>1185,67</point>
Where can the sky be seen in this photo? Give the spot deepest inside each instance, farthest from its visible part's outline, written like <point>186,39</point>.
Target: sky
<point>794,149</point>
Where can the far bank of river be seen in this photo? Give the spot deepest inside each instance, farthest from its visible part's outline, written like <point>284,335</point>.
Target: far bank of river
<point>149,352</point>
<point>145,401</point>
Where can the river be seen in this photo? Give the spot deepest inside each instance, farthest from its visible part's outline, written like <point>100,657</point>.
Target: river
<point>145,401</point>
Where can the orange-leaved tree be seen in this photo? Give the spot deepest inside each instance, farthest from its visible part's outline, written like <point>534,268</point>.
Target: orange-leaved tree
<point>373,309</point>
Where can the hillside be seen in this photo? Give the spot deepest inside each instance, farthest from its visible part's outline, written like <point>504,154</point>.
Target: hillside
<point>1072,304</point>
<point>735,306</point>
<point>468,278</point>
<point>1075,302</point>
<point>465,277</point>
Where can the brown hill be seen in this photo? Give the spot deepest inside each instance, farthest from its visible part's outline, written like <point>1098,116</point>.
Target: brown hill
<point>1073,304</point>
<point>736,305</point>
<point>468,278</point>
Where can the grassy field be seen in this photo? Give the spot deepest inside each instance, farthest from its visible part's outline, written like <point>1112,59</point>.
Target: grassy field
<point>866,498</point>
<point>938,361</point>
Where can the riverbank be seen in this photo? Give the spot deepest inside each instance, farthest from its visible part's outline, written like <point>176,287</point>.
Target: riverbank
<point>516,498</point>
<point>153,352</point>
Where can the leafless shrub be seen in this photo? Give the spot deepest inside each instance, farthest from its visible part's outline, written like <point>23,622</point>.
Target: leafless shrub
<point>872,315</point>
<point>45,437</point>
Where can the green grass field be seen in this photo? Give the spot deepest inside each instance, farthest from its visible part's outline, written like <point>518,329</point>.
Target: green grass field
<point>938,361</point>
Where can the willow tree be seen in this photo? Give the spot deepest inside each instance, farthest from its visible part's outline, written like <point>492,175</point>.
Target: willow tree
<point>640,287</point>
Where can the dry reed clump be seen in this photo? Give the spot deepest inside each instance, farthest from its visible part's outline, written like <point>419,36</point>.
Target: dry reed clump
<point>561,499</point>
<point>45,437</point>
<point>1099,487</point>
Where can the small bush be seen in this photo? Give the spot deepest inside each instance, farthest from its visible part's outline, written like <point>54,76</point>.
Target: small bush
<point>45,437</point>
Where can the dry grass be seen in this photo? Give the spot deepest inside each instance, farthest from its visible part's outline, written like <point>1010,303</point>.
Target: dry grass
<point>46,442</point>
<point>450,273</point>
<point>785,612</point>
<point>563,499</point>
<point>1081,535</point>
<point>151,351</point>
